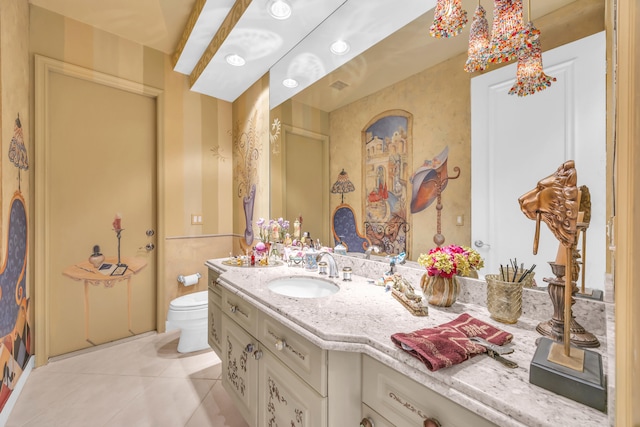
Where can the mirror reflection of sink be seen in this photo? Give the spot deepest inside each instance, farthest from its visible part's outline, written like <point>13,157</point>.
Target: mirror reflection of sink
<point>303,287</point>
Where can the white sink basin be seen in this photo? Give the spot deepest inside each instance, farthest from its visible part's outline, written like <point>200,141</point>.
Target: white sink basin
<point>303,287</point>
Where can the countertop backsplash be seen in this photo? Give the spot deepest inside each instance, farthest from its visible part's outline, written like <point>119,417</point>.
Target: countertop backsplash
<point>536,303</point>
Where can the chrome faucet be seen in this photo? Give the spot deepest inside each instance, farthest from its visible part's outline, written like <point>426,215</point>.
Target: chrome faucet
<point>372,248</point>
<point>333,266</point>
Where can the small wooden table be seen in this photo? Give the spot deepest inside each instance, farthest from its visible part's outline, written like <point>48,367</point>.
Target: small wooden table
<point>90,275</point>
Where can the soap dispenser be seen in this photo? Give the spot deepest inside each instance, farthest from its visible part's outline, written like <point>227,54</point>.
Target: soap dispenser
<point>340,249</point>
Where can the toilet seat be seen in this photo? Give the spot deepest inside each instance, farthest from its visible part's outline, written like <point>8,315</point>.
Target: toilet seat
<point>193,301</point>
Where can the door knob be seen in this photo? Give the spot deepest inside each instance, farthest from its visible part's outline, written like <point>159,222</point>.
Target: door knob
<point>480,244</point>
<point>149,247</point>
<point>366,422</point>
<point>150,232</point>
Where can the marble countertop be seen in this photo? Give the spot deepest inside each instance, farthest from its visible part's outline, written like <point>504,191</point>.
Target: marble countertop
<point>361,317</point>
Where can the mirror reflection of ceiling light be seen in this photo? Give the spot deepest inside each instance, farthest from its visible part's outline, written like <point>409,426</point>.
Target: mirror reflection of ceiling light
<point>339,47</point>
<point>235,60</point>
<point>279,9</point>
<point>291,83</point>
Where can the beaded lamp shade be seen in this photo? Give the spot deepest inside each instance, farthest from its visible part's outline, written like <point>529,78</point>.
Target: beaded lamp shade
<point>478,41</point>
<point>448,19</point>
<point>530,78</point>
<point>506,37</point>
<point>342,185</point>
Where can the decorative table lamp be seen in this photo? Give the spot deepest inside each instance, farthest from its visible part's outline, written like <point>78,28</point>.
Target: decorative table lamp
<point>342,185</point>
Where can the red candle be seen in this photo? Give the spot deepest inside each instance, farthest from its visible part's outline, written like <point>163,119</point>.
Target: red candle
<point>117,223</point>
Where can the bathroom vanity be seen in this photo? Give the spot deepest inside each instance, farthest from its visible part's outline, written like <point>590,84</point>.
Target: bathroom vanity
<point>329,361</point>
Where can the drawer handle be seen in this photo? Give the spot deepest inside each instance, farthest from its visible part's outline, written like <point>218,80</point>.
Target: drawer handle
<point>281,342</point>
<point>257,354</point>
<point>235,309</point>
<point>367,422</point>
<point>249,348</point>
<point>431,422</point>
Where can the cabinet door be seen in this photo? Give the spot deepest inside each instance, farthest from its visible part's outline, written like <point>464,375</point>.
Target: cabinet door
<point>404,402</point>
<point>240,368</point>
<point>297,353</point>
<point>215,319</point>
<point>285,399</point>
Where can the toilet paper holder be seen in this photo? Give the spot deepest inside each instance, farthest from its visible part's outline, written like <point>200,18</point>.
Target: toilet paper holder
<point>189,280</point>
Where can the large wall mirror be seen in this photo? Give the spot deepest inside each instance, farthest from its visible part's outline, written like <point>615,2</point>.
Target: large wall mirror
<point>400,57</point>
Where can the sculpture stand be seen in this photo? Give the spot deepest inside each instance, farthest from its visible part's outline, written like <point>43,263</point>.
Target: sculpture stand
<point>587,386</point>
<point>557,366</point>
<point>554,328</point>
<point>565,370</point>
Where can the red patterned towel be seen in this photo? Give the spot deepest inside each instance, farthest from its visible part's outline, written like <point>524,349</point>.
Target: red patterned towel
<point>448,344</point>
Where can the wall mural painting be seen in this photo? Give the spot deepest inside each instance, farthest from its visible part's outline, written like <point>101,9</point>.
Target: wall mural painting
<point>274,135</point>
<point>17,150</point>
<point>15,334</point>
<point>387,158</point>
<point>100,270</point>
<point>247,153</point>
<point>428,183</point>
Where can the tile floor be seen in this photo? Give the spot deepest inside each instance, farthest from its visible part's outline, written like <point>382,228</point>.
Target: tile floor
<point>138,383</point>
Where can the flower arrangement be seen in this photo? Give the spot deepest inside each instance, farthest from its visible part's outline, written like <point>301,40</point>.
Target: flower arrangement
<point>451,260</point>
<point>274,230</point>
<point>283,228</point>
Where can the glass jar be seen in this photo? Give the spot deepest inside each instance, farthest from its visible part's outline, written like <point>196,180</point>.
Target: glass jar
<point>504,299</point>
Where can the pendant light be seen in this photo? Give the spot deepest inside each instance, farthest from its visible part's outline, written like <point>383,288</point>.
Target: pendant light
<point>530,77</point>
<point>478,41</point>
<point>448,19</point>
<point>506,32</point>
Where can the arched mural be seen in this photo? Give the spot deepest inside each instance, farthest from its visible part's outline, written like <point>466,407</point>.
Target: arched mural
<point>387,158</point>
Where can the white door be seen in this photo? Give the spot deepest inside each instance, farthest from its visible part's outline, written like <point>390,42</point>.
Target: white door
<point>516,141</point>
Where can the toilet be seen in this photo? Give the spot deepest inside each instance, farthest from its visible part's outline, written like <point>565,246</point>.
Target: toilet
<point>189,314</point>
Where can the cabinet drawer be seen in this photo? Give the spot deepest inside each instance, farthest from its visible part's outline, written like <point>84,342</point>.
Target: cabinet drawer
<point>404,402</point>
<point>376,419</point>
<point>285,399</point>
<point>243,313</point>
<point>306,359</point>
<point>214,322</point>
<point>212,283</point>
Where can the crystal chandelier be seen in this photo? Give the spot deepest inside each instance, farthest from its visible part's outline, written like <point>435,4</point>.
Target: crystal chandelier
<point>506,32</point>
<point>530,78</point>
<point>478,41</point>
<point>448,19</point>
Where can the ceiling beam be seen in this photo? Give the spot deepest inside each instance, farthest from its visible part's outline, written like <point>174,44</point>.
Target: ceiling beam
<point>186,33</point>
<point>229,22</point>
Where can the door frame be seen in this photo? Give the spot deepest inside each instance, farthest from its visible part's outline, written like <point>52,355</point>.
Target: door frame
<point>324,140</point>
<point>44,68</point>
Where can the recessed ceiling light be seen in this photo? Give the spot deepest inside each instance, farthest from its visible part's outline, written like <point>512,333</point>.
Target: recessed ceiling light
<point>290,83</point>
<point>340,47</point>
<point>235,60</point>
<point>279,9</point>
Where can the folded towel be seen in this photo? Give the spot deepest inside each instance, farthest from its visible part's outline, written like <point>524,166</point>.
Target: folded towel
<point>449,344</point>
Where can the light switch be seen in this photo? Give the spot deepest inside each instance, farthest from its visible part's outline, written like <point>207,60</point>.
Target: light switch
<point>196,219</point>
<point>460,220</point>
